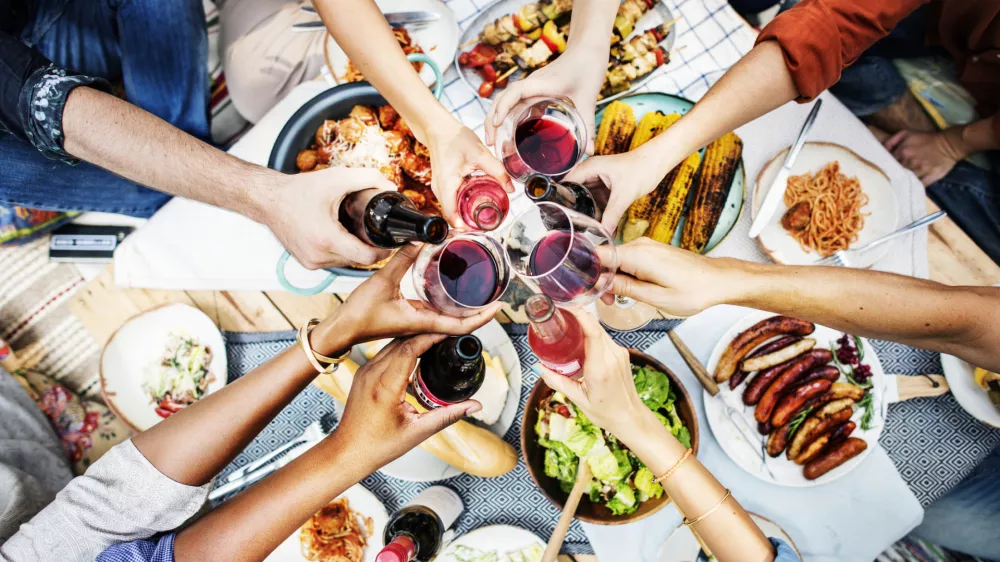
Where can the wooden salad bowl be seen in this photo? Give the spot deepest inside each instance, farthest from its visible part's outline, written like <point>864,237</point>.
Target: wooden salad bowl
<point>534,454</point>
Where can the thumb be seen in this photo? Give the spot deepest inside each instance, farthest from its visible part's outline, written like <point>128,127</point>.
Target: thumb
<point>894,140</point>
<point>618,204</point>
<point>433,421</point>
<point>628,286</point>
<point>591,130</point>
<point>495,169</point>
<point>569,387</point>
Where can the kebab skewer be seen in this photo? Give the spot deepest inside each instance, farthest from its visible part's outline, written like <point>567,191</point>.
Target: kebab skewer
<point>620,76</point>
<point>528,19</point>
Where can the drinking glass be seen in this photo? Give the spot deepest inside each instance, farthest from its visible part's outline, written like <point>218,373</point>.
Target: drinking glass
<point>462,275</point>
<point>541,136</point>
<point>625,314</point>
<point>566,255</point>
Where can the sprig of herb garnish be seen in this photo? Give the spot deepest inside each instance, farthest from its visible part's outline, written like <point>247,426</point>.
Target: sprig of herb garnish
<point>793,425</point>
<point>867,404</point>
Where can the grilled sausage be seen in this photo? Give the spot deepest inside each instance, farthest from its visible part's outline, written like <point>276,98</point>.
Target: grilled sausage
<point>812,450</point>
<point>777,441</point>
<point>754,389</point>
<point>779,356</point>
<point>764,428</point>
<point>846,390</point>
<point>798,439</point>
<point>799,367</point>
<point>828,372</point>
<point>770,347</point>
<point>795,398</point>
<point>840,434</point>
<point>835,457</point>
<point>813,428</point>
<point>757,334</point>
<point>831,408</point>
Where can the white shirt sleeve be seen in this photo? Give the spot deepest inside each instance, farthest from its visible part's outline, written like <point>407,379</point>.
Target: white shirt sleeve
<point>122,497</point>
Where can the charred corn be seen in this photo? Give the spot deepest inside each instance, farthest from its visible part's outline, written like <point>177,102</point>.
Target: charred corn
<point>617,126</point>
<point>668,214</point>
<point>641,213</point>
<point>722,158</point>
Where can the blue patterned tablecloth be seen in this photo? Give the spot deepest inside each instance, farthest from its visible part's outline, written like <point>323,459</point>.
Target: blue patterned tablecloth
<point>933,442</point>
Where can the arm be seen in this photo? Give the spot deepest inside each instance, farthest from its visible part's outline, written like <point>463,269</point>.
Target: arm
<point>455,150</point>
<point>932,155</point>
<point>960,321</point>
<point>607,394</point>
<point>577,74</point>
<point>798,55</point>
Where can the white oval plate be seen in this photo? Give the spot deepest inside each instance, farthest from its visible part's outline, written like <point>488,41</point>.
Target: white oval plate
<point>420,466</point>
<point>682,546</point>
<point>970,395</point>
<point>360,500</point>
<point>502,538</point>
<point>882,204</point>
<point>438,38</point>
<point>746,455</point>
<point>139,342</point>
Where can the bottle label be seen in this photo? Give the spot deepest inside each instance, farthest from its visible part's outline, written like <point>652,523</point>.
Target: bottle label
<point>445,502</point>
<point>566,369</point>
<point>423,394</point>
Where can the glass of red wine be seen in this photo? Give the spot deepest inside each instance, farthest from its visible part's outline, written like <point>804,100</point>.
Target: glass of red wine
<point>461,276</point>
<point>541,136</point>
<point>564,254</point>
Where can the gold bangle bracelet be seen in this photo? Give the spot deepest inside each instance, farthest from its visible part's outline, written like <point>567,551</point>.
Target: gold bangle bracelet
<point>315,358</point>
<point>690,522</point>
<point>674,468</point>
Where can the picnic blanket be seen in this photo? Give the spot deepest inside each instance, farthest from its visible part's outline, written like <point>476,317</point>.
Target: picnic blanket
<point>192,246</point>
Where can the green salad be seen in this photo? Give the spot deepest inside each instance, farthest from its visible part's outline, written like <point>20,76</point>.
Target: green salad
<point>621,481</point>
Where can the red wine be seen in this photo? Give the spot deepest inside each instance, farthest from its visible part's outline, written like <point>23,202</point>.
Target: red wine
<point>451,371</point>
<point>388,219</point>
<point>468,273</point>
<point>567,266</point>
<point>568,194</point>
<point>416,532</point>
<point>546,145</point>
<point>555,336</point>
<point>482,202</point>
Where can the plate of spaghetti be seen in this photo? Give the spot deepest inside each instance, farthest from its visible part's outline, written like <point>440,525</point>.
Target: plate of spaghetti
<point>348,529</point>
<point>834,200</point>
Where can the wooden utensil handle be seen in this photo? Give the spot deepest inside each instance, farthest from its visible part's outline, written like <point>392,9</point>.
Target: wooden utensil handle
<point>921,386</point>
<point>704,377</point>
<point>583,477</point>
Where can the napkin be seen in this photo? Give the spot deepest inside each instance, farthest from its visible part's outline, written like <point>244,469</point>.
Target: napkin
<point>853,518</point>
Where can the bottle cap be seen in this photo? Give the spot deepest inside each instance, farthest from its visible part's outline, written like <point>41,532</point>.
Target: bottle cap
<point>399,549</point>
<point>539,308</point>
<point>469,347</point>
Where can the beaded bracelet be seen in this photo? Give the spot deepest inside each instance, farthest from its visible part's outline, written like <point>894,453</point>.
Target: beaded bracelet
<point>677,465</point>
<point>690,522</point>
<point>314,358</point>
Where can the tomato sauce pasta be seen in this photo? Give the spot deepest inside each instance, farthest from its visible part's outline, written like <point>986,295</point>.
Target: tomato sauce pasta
<point>834,202</point>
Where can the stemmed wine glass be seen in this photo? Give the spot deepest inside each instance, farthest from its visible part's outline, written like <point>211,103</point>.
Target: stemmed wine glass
<point>465,273</point>
<point>566,255</point>
<point>541,136</point>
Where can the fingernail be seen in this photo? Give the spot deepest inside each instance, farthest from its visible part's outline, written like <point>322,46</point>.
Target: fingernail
<point>537,370</point>
<point>473,408</point>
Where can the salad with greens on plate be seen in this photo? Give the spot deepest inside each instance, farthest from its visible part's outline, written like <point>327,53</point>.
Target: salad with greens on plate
<point>621,481</point>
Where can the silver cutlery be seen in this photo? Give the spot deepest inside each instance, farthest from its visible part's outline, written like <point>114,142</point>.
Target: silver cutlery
<point>777,191</point>
<point>395,19</point>
<point>840,257</point>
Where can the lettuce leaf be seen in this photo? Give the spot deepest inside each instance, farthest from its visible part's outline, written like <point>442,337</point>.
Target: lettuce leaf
<point>560,463</point>
<point>645,485</point>
<point>653,387</point>
<point>603,464</point>
<point>623,501</point>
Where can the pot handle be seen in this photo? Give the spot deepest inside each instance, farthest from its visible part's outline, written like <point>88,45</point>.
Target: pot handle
<point>438,78</point>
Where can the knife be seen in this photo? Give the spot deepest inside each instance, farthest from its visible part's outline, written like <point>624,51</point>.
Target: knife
<point>777,191</point>
<point>395,19</point>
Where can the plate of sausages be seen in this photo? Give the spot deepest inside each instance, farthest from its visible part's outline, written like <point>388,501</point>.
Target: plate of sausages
<point>810,393</point>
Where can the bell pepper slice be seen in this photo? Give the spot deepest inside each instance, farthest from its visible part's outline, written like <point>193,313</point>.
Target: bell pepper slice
<point>552,38</point>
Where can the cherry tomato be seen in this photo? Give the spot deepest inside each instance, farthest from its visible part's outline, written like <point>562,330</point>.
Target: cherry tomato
<point>488,73</point>
<point>162,413</point>
<point>486,89</point>
<point>502,83</point>
<point>659,57</point>
<point>562,410</point>
<point>463,59</point>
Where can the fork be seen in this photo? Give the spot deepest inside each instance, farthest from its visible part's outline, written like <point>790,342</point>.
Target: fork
<point>839,258</point>
<point>313,433</point>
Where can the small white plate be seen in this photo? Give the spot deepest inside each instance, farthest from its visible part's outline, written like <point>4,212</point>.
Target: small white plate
<point>682,546</point>
<point>420,466</point>
<point>361,501</point>
<point>438,38</point>
<point>501,538</point>
<point>141,341</point>
<point>882,204</point>
<point>747,455</point>
<point>969,394</point>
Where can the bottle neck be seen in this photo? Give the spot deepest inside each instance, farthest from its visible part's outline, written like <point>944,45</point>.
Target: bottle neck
<point>405,224</point>
<point>551,329</point>
<point>400,549</point>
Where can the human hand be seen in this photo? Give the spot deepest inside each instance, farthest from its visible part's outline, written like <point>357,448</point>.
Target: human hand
<point>378,423</point>
<point>929,155</point>
<point>574,75</point>
<point>676,281</point>
<point>455,153</point>
<point>377,309</point>
<point>606,392</point>
<point>303,215</point>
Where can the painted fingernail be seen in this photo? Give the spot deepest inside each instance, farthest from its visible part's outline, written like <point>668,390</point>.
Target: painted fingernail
<point>537,370</point>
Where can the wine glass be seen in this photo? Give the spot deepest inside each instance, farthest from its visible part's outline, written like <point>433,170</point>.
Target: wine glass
<point>462,275</point>
<point>625,314</point>
<point>541,136</point>
<point>566,255</point>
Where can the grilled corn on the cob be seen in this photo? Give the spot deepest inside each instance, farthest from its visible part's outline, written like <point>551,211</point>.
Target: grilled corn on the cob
<point>668,214</point>
<point>617,126</point>
<point>722,158</point>
<point>640,213</point>
<point>651,124</point>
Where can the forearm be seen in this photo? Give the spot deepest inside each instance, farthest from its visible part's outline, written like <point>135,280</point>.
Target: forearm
<point>956,320</point>
<point>975,137</point>
<point>181,448</point>
<point>368,41</point>
<point>251,525</point>
<point>124,139</point>
<point>590,27</point>
<point>728,531</point>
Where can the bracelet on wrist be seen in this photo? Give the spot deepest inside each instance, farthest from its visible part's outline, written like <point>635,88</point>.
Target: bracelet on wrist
<point>690,522</point>
<point>320,362</point>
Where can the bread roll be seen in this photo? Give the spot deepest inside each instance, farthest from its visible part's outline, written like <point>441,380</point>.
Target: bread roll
<point>465,446</point>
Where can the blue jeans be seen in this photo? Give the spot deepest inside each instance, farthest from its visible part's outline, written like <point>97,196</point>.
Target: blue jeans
<point>967,519</point>
<point>159,49</point>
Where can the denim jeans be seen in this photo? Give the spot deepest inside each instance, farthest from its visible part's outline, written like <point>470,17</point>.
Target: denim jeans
<point>967,518</point>
<point>159,49</point>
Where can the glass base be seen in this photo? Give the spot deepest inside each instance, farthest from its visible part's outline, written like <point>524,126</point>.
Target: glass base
<point>625,315</point>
